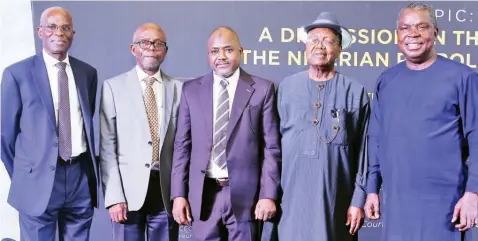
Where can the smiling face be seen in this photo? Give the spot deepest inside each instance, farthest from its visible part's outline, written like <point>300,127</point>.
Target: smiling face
<point>224,52</point>
<point>149,47</point>
<point>416,35</point>
<point>322,47</point>
<point>56,32</point>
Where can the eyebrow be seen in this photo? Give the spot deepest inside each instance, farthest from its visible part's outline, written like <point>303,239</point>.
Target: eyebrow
<point>227,46</point>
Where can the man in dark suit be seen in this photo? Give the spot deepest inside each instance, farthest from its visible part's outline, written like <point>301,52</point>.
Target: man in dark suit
<point>226,151</point>
<point>47,106</point>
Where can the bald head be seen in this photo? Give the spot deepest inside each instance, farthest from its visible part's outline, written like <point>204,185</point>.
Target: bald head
<point>225,32</point>
<point>56,31</point>
<point>224,51</point>
<point>149,47</point>
<point>53,12</point>
<point>148,27</point>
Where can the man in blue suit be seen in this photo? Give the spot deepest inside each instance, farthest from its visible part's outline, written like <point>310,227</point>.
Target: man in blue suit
<point>47,103</point>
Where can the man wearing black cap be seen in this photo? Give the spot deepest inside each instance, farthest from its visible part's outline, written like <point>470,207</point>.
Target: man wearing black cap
<point>324,115</point>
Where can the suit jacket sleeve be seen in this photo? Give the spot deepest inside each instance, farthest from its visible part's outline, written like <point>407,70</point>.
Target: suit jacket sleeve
<point>110,173</point>
<point>270,175</point>
<point>182,150</point>
<point>11,104</point>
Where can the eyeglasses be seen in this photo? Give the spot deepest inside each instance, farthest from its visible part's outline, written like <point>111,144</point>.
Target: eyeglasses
<point>54,28</point>
<point>325,42</point>
<point>146,44</point>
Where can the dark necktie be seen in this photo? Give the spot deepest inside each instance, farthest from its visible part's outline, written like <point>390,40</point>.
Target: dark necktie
<point>64,116</point>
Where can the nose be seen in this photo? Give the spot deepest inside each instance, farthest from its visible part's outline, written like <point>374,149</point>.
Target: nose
<point>58,32</point>
<point>414,32</point>
<point>222,54</point>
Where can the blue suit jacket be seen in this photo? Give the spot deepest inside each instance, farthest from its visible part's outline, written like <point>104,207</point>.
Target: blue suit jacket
<point>29,132</point>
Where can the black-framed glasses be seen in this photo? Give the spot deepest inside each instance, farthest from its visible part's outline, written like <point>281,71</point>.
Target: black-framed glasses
<point>54,27</point>
<point>146,44</point>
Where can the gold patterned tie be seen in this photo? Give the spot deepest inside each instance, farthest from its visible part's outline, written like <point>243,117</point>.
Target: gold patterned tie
<point>152,112</point>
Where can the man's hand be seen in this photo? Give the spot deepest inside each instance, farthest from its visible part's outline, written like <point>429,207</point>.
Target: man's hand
<point>265,209</point>
<point>118,212</point>
<point>466,210</point>
<point>354,219</point>
<point>372,206</point>
<point>182,211</point>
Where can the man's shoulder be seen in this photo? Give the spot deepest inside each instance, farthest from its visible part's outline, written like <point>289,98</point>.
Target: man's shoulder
<point>117,78</point>
<point>175,80</point>
<point>351,82</point>
<point>194,81</point>
<point>21,65</point>
<point>82,64</point>
<point>258,80</point>
<point>292,79</point>
<point>394,69</point>
<point>459,68</point>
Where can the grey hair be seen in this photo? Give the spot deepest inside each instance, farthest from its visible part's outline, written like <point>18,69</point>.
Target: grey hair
<point>421,6</point>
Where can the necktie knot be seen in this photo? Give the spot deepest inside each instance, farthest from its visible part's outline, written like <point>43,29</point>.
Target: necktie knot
<point>224,82</point>
<point>149,81</point>
<point>61,65</point>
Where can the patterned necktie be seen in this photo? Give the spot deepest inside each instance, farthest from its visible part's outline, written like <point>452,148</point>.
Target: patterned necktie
<point>152,112</point>
<point>220,126</point>
<point>64,116</point>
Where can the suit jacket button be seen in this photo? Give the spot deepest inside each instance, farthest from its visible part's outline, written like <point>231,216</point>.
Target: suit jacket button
<point>147,165</point>
<point>150,143</point>
<point>52,168</point>
<point>55,144</point>
<point>203,171</point>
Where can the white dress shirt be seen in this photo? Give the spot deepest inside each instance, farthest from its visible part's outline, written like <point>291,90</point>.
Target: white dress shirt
<point>78,139</point>
<point>158,89</point>
<point>213,170</point>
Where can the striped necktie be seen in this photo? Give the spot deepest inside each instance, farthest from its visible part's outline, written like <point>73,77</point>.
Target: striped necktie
<point>220,126</point>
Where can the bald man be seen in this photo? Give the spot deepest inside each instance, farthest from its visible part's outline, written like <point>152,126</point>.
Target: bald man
<point>226,154</point>
<point>138,115</point>
<point>47,106</point>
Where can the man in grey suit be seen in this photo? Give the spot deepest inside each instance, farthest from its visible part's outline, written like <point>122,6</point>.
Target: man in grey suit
<point>137,125</point>
<point>226,163</point>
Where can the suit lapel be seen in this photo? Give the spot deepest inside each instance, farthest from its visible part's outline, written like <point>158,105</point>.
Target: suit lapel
<point>244,91</point>
<point>40,76</point>
<point>138,110</point>
<point>168,98</point>
<point>81,82</point>
<point>205,96</point>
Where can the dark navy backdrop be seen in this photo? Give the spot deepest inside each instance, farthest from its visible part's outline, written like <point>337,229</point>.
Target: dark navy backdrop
<point>104,32</point>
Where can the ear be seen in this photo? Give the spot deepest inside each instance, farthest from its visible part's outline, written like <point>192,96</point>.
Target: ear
<point>436,32</point>
<point>132,48</point>
<point>40,32</point>
<point>241,51</point>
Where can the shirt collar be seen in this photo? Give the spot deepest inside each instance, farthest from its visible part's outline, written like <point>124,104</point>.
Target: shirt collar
<point>142,75</point>
<point>51,62</point>
<point>234,78</point>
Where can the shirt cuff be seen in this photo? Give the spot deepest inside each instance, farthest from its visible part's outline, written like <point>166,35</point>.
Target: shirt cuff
<point>358,198</point>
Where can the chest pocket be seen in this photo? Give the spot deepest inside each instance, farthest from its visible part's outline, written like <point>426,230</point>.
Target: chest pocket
<point>335,126</point>
<point>332,129</point>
